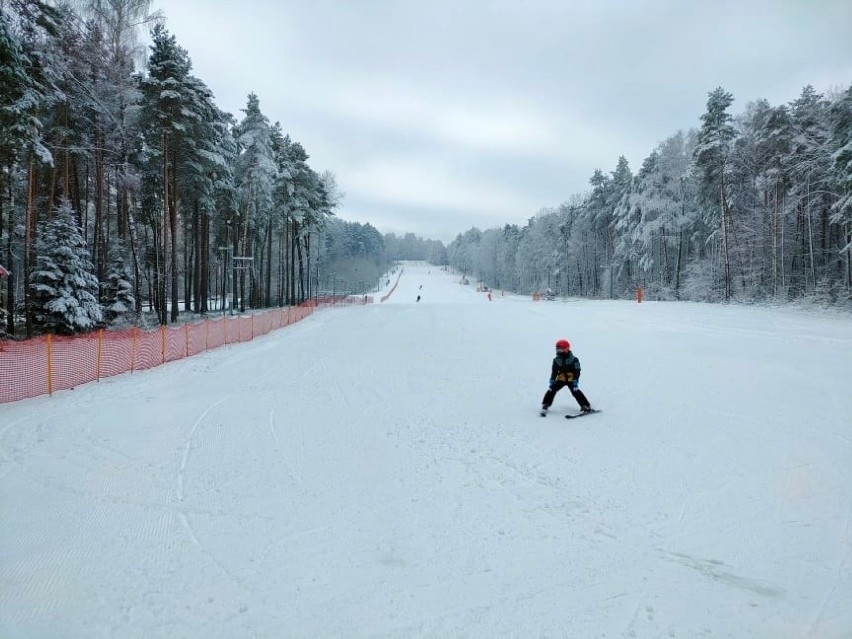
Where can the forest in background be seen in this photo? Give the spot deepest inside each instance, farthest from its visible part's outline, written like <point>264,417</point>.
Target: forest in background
<point>128,197</point>
<point>756,207</point>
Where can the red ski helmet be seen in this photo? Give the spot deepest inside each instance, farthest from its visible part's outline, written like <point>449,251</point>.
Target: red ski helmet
<point>563,345</point>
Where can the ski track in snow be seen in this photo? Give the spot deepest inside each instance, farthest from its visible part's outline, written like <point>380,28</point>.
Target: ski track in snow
<point>382,471</point>
<point>182,514</point>
<point>187,449</point>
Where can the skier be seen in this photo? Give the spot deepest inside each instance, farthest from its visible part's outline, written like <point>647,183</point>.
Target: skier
<point>565,372</point>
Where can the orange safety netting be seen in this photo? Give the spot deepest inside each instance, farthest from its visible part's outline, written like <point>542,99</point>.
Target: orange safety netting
<point>50,363</point>
<point>393,288</point>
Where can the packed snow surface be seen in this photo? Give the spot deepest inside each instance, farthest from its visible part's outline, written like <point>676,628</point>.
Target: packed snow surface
<point>382,471</point>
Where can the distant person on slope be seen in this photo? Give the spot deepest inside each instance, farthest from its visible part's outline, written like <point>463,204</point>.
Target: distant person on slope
<point>565,371</point>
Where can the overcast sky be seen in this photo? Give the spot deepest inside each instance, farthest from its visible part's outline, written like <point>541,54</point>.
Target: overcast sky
<point>439,115</point>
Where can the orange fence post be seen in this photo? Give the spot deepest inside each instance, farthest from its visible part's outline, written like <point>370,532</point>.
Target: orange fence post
<point>49,368</point>
<point>639,294</point>
<point>100,350</point>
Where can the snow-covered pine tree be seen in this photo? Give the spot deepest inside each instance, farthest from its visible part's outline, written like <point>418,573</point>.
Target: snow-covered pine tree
<point>117,295</point>
<point>255,181</point>
<point>163,120</point>
<point>28,32</point>
<point>810,163</point>
<point>711,158</point>
<point>841,123</point>
<point>634,248</point>
<point>63,283</point>
<point>773,145</point>
<point>204,153</point>
<point>306,203</point>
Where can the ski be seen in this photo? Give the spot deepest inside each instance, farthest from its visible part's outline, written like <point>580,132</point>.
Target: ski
<point>574,415</point>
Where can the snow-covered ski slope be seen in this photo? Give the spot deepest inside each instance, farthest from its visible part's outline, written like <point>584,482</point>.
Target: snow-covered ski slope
<point>382,471</point>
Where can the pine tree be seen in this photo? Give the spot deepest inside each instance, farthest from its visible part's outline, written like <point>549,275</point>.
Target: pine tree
<point>712,157</point>
<point>306,203</point>
<point>255,176</point>
<point>28,29</point>
<point>63,282</point>
<point>841,127</point>
<point>165,94</point>
<point>774,144</point>
<point>117,295</point>
<point>206,149</point>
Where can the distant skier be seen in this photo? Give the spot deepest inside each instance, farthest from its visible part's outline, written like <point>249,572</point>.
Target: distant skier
<point>418,298</point>
<point>565,371</point>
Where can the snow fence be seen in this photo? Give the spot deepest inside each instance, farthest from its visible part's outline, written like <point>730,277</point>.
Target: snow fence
<point>50,363</point>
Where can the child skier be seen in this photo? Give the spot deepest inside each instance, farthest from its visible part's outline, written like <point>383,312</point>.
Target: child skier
<point>565,372</point>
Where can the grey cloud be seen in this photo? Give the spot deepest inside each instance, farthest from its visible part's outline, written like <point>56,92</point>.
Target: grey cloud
<point>521,100</point>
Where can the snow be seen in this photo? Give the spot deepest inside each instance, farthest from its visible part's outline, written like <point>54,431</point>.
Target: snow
<point>382,471</point>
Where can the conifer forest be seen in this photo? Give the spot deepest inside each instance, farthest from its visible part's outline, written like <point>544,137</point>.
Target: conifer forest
<point>127,197</point>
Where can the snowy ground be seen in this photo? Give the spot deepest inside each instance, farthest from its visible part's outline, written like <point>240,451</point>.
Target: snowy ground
<point>382,471</point>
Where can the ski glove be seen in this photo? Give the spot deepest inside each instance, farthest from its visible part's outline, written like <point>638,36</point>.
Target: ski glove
<point>575,385</point>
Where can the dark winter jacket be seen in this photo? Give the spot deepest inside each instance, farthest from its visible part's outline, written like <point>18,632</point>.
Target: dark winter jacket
<point>566,368</point>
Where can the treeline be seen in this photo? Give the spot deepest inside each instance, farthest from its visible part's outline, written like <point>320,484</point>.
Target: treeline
<point>124,191</point>
<point>127,195</point>
<point>757,207</point>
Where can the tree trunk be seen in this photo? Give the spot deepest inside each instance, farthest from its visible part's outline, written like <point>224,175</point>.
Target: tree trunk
<point>194,266</point>
<point>29,238</point>
<point>10,287</point>
<point>161,270</point>
<point>301,269</point>
<point>173,223</point>
<point>137,276</point>
<point>190,261</point>
<point>204,263</point>
<point>308,278</point>
<point>294,233</point>
<point>76,197</point>
<point>810,236</point>
<point>775,242</point>
<point>282,263</point>
<point>268,283</point>
<point>105,234</point>
<point>97,242</point>
<point>678,263</point>
<point>726,263</point>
